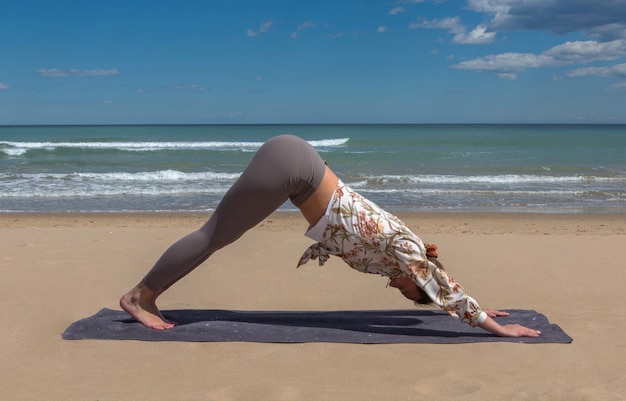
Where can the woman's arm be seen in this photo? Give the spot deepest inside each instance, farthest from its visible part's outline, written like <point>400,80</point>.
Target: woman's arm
<point>508,330</point>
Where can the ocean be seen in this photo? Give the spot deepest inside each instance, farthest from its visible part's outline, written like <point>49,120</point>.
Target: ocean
<point>423,168</point>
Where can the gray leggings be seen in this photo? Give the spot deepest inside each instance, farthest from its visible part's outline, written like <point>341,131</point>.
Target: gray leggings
<point>285,167</point>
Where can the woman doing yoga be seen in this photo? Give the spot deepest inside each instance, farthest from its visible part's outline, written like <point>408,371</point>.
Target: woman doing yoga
<point>342,223</point>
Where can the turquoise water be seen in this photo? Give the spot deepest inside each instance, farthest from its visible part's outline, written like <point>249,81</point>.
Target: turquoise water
<point>470,168</point>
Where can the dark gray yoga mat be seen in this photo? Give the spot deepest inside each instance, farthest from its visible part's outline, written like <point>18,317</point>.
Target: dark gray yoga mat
<point>359,327</point>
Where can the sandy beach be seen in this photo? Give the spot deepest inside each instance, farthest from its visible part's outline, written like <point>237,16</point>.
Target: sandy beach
<point>58,268</point>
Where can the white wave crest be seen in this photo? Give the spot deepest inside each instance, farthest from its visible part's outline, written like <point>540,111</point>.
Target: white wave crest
<point>19,148</point>
<point>164,175</point>
<point>484,179</point>
<point>324,143</point>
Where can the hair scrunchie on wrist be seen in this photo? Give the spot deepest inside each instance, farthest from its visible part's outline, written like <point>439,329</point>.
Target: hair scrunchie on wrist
<point>431,250</point>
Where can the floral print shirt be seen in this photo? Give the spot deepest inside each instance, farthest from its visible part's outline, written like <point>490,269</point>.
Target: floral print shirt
<point>371,240</point>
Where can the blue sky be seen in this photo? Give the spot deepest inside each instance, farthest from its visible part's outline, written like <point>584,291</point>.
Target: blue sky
<point>323,61</point>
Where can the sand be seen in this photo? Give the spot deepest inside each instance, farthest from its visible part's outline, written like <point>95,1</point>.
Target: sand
<point>55,269</point>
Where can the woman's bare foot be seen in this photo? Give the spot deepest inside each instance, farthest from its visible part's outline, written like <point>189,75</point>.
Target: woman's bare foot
<point>140,303</point>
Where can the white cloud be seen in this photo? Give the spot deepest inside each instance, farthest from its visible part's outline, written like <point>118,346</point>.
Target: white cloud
<point>55,72</point>
<point>505,62</point>
<point>569,53</point>
<point>499,8</point>
<point>453,25</point>
<point>307,25</point>
<point>616,71</point>
<point>381,29</point>
<point>266,26</point>
<point>263,28</point>
<point>302,27</point>
<point>619,86</point>
<point>396,10</point>
<point>585,51</point>
<point>4,86</point>
<point>605,20</point>
<point>478,35</point>
<point>509,75</point>
<point>193,88</point>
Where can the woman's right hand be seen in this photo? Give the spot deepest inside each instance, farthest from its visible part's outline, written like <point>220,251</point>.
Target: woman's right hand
<point>508,330</point>
<point>517,330</point>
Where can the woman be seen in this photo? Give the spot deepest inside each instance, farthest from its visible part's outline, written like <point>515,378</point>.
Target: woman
<point>342,222</point>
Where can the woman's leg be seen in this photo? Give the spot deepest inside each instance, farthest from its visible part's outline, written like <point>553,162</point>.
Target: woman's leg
<point>284,167</point>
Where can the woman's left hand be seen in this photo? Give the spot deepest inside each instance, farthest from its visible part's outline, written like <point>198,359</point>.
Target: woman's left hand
<point>495,313</point>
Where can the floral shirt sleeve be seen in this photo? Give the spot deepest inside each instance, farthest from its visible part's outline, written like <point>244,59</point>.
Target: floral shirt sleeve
<point>371,240</point>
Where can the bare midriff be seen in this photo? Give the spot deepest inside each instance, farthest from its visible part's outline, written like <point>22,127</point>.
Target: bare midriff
<point>315,206</point>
